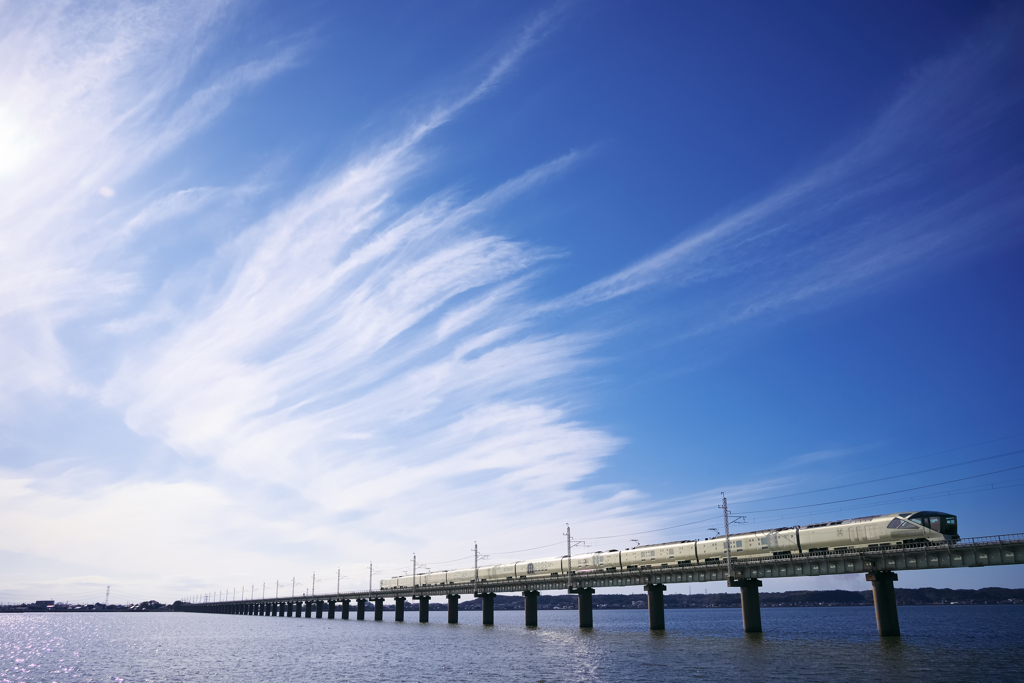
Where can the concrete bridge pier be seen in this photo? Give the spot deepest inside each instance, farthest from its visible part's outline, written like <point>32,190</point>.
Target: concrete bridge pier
<point>586,606</point>
<point>344,608</point>
<point>330,609</point>
<point>291,607</point>
<point>882,591</point>
<point>453,609</point>
<point>275,610</point>
<point>487,600</point>
<point>424,608</point>
<point>281,607</point>
<point>360,609</point>
<point>400,608</point>
<point>378,609</point>
<point>656,605</point>
<point>309,609</point>
<point>531,607</point>
<point>319,609</point>
<point>750,603</point>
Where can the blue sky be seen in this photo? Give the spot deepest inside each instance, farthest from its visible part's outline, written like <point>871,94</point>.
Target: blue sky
<point>290,288</point>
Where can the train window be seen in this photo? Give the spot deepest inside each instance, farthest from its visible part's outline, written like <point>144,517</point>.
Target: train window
<point>895,523</point>
<point>949,525</point>
<point>933,522</point>
<point>907,525</point>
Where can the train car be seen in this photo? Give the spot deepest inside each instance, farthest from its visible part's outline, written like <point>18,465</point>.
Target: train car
<point>661,555</point>
<point>547,566</point>
<point>877,531</point>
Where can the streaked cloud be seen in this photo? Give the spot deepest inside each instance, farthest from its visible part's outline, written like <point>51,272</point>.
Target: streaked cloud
<point>898,199</point>
<point>360,367</point>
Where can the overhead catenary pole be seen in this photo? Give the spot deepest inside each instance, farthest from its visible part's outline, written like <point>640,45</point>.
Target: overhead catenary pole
<point>476,568</point>
<point>728,543</point>
<point>568,554</point>
<point>313,589</point>
<point>293,586</point>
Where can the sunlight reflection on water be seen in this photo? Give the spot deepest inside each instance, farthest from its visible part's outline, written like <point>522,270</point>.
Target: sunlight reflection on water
<point>825,643</point>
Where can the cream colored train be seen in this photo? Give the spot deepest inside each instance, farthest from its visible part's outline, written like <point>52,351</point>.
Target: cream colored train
<point>863,532</point>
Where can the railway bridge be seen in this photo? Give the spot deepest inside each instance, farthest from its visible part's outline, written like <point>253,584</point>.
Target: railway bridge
<point>880,567</point>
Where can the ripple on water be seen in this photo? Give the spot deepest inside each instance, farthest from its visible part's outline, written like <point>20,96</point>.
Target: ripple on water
<point>836,644</point>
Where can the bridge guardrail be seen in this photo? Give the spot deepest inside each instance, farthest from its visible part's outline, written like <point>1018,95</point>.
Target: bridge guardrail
<point>658,573</point>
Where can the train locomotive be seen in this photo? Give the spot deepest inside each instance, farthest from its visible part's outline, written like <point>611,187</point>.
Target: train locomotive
<point>870,533</point>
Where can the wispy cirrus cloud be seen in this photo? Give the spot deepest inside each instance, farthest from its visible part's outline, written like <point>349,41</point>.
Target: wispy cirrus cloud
<point>348,342</point>
<point>355,370</point>
<point>906,195</point>
<point>89,96</point>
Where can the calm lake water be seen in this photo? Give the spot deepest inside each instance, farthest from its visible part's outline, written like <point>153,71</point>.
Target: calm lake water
<point>948,643</point>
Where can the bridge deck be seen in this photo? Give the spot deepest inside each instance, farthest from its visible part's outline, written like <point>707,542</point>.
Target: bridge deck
<point>972,552</point>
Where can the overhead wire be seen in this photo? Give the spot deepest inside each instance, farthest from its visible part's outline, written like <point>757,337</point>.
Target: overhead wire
<point>890,493</point>
<point>894,476</point>
<point>932,455</point>
<point>805,506</point>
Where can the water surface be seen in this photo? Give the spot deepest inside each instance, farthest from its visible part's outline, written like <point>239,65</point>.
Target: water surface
<point>942,643</point>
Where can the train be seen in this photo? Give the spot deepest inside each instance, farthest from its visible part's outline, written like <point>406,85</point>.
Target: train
<point>875,532</point>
